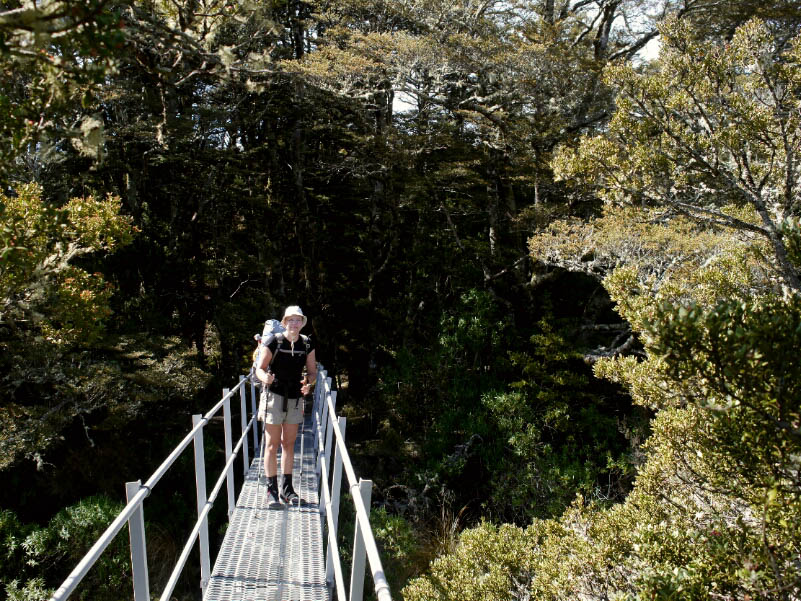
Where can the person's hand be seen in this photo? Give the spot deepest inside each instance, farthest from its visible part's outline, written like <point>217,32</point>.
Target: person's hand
<point>270,378</point>
<point>305,387</point>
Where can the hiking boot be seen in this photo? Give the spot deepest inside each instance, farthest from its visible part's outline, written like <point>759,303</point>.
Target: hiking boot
<point>288,495</point>
<point>273,497</point>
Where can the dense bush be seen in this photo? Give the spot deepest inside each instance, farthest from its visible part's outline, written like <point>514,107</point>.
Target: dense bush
<point>715,511</point>
<point>35,558</point>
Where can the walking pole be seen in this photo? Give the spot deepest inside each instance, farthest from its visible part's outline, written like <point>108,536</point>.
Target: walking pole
<point>262,451</point>
<point>261,460</point>
<point>302,433</point>
<point>302,430</point>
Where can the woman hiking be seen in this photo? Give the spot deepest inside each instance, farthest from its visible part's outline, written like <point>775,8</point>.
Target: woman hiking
<point>280,368</point>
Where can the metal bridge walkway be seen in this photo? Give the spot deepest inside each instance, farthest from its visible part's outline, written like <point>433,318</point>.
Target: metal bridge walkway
<point>273,554</point>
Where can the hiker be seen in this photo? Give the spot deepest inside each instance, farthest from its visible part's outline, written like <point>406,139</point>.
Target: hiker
<point>282,394</point>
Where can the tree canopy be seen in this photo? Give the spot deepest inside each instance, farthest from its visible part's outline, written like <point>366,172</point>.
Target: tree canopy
<point>556,275</point>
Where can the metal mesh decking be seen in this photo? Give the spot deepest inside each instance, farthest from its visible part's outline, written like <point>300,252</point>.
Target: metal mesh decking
<point>273,554</point>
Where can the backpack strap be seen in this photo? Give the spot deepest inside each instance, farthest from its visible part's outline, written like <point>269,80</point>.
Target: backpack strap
<point>257,355</point>
<point>280,338</point>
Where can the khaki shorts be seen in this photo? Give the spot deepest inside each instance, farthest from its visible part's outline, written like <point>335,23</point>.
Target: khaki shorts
<point>273,405</point>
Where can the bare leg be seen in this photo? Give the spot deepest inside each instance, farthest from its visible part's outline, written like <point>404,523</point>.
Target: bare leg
<point>271,454</point>
<point>290,433</point>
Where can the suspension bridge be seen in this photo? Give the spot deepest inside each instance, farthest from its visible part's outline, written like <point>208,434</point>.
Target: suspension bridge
<point>267,554</point>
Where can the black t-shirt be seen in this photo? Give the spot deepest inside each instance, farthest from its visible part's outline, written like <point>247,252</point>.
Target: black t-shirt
<point>288,363</point>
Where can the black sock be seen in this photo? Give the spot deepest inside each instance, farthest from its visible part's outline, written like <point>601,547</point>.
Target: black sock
<point>287,480</point>
<point>272,482</point>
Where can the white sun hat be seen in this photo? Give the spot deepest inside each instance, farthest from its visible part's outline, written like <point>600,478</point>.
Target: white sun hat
<point>293,310</point>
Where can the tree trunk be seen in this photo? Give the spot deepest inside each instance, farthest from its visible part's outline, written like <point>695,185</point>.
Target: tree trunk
<point>547,12</point>
<point>493,200</point>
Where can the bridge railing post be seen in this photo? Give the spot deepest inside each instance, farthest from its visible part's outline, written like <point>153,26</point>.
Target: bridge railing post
<point>136,534</point>
<point>200,483</point>
<point>319,395</point>
<point>359,550</point>
<point>328,430</point>
<point>243,421</point>
<point>228,451</point>
<point>326,422</point>
<point>336,489</point>
<point>319,442</point>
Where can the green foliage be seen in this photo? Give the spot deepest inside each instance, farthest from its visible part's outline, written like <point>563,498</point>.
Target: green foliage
<point>396,537</point>
<point>13,534</point>
<point>46,393</point>
<point>53,58</point>
<point>558,437</point>
<point>37,557</point>
<point>436,384</point>
<point>722,453</point>
<point>474,338</point>
<point>399,546</point>
<point>514,451</point>
<point>791,233</point>
<point>39,282</point>
<point>640,251</point>
<point>713,21</point>
<point>714,125</point>
<point>472,356</point>
<point>490,563</point>
<point>699,536</point>
<point>33,590</point>
<point>714,513</point>
<point>735,362</point>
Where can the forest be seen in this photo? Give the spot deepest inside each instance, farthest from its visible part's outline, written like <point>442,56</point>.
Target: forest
<point>550,249</point>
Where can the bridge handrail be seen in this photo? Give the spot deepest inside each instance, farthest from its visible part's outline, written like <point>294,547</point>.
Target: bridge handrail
<point>379,578</point>
<point>381,585</point>
<point>79,572</point>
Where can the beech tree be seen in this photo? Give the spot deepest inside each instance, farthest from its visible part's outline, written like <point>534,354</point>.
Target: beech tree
<point>635,250</point>
<point>714,20</point>
<point>714,511</point>
<point>488,90</point>
<point>42,291</point>
<point>714,125</point>
<point>53,57</point>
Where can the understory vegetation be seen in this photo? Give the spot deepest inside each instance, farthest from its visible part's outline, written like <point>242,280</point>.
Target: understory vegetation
<point>550,249</point>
